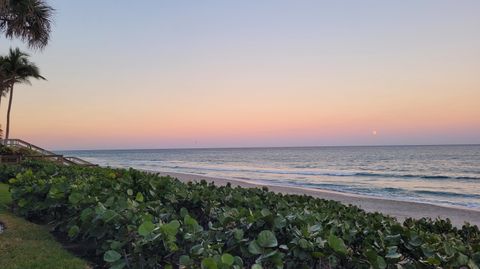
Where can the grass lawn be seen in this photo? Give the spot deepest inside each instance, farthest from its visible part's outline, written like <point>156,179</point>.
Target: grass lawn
<point>24,245</point>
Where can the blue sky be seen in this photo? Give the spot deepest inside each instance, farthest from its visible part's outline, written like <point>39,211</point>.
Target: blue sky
<point>125,74</point>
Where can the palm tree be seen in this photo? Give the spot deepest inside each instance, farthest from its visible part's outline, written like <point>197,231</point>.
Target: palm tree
<point>3,86</point>
<point>3,82</point>
<point>17,69</point>
<point>29,20</point>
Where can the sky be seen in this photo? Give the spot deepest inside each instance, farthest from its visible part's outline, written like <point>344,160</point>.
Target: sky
<point>168,74</point>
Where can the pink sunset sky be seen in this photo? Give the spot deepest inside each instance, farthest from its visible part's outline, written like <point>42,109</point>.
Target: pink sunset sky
<point>254,73</point>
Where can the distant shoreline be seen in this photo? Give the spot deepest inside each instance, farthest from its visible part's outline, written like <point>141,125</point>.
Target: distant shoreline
<point>395,208</point>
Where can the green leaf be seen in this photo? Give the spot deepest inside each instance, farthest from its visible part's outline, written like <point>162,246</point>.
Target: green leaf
<point>279,222</point>
<point>86,214</point>
<point>472,264</point>
<point>393,240</point>
<point>238,234</point>
<point>22,203</point>
<point>209,263</point>
<point>254,248</point>
<point>146,228</point>
<point>433,261</point>
<point>315,228</point>
<point>427,250</point>
<point>184,260</point>
<point>392,253</point>
<point>265,212</point>
<point>337,244</point>
<point>118,264</point>
<point>227,259</point>
<point>130,192</point>
<point>303,243</point>
<point>115,244</point>
<point>111,256</point>
<point>257,266</point>
<point>376,261</point>
<point>75,198</point>
<point>139,197</point>
<point>171,228</point>
<point>197,249</point>
<point>73,231</point>
<point>267,239</point>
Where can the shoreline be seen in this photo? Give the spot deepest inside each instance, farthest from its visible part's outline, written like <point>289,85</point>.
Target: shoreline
<point>395,208</point>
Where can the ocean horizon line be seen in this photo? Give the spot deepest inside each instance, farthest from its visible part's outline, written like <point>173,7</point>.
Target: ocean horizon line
<point>272,147</point>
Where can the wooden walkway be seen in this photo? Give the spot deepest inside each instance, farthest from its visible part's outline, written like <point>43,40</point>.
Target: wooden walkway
<point>37,153</point>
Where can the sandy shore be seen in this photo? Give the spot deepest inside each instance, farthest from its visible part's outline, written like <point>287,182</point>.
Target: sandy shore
<point>398,209</point>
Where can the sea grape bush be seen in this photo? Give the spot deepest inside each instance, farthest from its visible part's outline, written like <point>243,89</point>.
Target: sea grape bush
<point>133,219</point>
<point>8,171</point>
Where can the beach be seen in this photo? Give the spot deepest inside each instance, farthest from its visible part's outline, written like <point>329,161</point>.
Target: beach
<point>398,209</point>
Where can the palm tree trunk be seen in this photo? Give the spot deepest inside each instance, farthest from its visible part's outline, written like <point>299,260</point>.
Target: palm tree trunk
<point>1,130</point>
<point>7,133</point>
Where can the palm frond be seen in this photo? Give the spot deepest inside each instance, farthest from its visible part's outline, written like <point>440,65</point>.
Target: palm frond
<point>29,20</point>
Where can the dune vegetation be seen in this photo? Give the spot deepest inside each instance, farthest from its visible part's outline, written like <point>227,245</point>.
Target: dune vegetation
<point>132,219</point>
<point>25,245</point>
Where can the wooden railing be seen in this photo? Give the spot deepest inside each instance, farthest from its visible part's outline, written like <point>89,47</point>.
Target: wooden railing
<point>24,144</point>
<point>42,154</point>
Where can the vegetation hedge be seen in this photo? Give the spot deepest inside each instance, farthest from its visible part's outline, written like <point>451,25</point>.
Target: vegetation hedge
<point>133,219</point>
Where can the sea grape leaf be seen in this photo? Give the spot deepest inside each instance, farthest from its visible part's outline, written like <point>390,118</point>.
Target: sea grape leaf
<point>171,228</point>
<point>415,240</point>
<point>75,198</point>
<point>183,212</point>
<point>146,228</point>
<point>267,239</point>
<point>265,212</point>
<point>209,263</point>
<point>376,261</point>
<point>392,253</point>
<point>393,240</point>
<point>462,259</point>
<point>111,256</point>
<point>303,243</point>
<point>22,203</point>
<point>427,251</point>
<point>184,260</point>
<point>254,248</point>
<point>315,228</point>
<point>139,197</point>
<point>267,255</point>
<point>238,234</point>
<point>227,259</point>
<point>73,231</point>
<point>115,244</point>
<point>118,264</point>
<point>279,222</point>
<point>108,215</point>
<point>433,261</point>
<point>337,244</point>
<point>197,249</point>
<point>86,214</point>
<point>189,221</point>
<point>472,264</point>
<point>257,266</point>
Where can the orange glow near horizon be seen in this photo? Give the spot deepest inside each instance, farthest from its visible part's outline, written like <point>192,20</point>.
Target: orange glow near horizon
<point>298,76</point>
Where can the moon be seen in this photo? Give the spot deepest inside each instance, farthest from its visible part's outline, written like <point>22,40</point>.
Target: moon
<point>374,132</point>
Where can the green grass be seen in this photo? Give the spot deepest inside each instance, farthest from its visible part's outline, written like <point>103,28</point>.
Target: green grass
<point>25,245</point>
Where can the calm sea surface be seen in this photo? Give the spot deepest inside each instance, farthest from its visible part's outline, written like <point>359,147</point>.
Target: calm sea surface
<point>444,175</point>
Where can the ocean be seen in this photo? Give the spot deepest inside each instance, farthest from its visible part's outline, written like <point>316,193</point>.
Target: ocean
<point>441,175</point>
